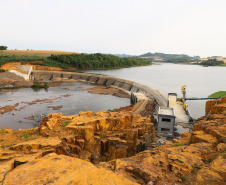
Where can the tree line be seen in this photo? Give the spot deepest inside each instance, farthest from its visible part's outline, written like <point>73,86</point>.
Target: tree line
<point>98,60</point>
<point>80,61</point>
<point>3,47</point>
<point>212,62</point>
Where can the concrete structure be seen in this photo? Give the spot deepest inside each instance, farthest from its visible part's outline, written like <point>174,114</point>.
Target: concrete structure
<point>136,97</point>
<point>141,94</point>
<point>27,69</point>
<point>127,85</point>
<point>166,121</point>
<point>172,97</point>
<point>182,115</point>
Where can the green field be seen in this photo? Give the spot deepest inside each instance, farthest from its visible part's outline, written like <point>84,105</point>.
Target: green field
<point>218,94</point>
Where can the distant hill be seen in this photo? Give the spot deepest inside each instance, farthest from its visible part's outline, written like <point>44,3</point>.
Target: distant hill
<point>124,55</point>
<point>171,58</point>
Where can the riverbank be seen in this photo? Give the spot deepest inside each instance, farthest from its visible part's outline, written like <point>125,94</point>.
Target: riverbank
<point>9,79</point>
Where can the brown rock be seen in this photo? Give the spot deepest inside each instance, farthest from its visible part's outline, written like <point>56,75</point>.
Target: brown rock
<point>183,164</point>
<point>201,136</point>
<point>44,131</point>
<point>26,158</point>
<point>221,147</point>
<point>203,150</point>
<point>219,165</point>
<point>80,142</point>
<point>63,170</point>
<point>208,177</point>
<point>87,134</point>
<point>37,144</point>
<point>51,122</point>
<point>141,131</point>
<point>88,113</point>
<point>5,167</point>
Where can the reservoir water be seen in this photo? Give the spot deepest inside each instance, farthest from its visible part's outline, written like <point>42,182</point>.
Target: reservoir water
<point>168,78</point>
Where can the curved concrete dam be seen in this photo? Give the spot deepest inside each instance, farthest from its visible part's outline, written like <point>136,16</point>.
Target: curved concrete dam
<point>127,85</point>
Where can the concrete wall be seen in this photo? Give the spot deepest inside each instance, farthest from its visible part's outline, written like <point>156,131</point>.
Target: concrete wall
<point>165,125</point>
<point>102,80</point>
<point>28,69</point>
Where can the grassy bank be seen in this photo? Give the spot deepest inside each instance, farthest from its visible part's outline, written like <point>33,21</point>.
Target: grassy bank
<point>218,94</point>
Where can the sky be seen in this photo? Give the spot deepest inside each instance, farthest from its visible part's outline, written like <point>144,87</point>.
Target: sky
<point>193,27</point>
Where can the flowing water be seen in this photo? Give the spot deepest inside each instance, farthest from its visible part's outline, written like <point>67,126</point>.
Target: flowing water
<point>168,78</point>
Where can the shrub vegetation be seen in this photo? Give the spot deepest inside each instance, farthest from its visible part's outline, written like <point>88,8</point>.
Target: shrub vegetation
<point>92,61</point>
<point>3,47</point>
<point>37,84</point>
<point>80,61</point>
<point>212,62</point>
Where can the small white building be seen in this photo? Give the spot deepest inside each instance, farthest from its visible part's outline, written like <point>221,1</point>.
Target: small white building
<point>166,121</point>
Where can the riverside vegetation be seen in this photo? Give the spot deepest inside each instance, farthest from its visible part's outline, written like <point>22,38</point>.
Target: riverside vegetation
<point>37,84</point>
<point>212,62</point>
<point>78,61</point>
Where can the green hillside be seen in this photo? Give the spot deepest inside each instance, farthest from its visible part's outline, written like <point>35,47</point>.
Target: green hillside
<point>218,94</point>
<point>171,58</point>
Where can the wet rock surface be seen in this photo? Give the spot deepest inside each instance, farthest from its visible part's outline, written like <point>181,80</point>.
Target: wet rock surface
<point>108,90</point>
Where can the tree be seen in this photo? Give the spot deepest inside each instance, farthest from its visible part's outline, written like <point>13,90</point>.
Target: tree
<point>3,47</point>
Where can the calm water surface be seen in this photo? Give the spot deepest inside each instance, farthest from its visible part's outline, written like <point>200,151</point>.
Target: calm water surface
<point>200,82</point>
<point>167,78</point>
<point>70,97</point>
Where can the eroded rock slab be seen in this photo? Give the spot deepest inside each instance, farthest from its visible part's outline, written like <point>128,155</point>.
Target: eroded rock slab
<point>60,169</point>
<point>44,143</point>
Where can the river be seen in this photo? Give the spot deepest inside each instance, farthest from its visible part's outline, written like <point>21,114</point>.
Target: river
<point>38,103</point>
<point>168,78</point>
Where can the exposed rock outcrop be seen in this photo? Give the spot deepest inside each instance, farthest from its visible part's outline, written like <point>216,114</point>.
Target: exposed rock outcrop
<point>110,140</point>
<point>104,135</point>
<point>55,169</point>
<point>197,158</point>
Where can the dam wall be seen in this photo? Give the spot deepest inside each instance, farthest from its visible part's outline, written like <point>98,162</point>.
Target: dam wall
<point>127,85</point>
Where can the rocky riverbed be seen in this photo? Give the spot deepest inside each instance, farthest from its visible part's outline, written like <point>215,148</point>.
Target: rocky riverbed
<point>23,108</point>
